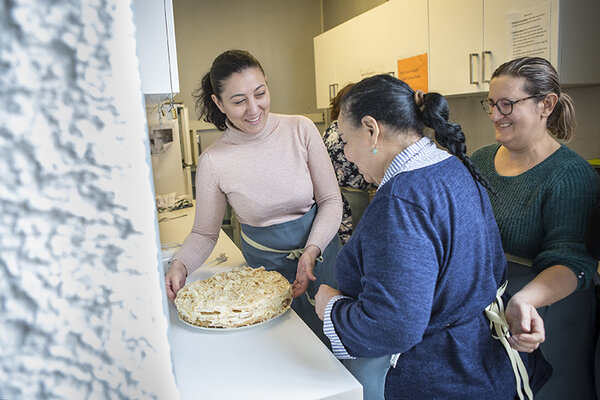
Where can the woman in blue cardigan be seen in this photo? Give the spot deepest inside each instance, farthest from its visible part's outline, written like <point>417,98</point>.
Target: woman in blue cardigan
<point>425,261</point>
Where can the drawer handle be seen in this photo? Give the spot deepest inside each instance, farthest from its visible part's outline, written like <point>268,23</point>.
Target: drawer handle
<point>332,90</point>
<point>471,80</point>
<point>483,54</point>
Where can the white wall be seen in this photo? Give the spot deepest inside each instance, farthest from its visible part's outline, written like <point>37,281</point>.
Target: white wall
<point>81,306</point>
<point>279,33</point>
<point>336,12</point>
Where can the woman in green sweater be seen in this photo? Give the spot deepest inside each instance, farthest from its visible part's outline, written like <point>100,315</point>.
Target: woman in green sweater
<point>543,196</point>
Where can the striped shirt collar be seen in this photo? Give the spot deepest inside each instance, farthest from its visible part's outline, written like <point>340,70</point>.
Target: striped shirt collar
<point>418,155</point>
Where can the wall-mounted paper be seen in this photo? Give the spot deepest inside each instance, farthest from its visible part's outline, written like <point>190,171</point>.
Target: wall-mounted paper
<point>529,32</point>
<point>414,72</point>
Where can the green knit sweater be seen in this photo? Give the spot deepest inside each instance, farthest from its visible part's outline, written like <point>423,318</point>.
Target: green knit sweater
<point>542,214</point>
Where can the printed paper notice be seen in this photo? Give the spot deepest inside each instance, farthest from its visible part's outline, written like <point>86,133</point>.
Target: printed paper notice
<point>529,32</point>
<point>414,72</point>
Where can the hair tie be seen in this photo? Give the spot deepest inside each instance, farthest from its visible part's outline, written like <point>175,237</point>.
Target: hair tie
<point>419,98</point>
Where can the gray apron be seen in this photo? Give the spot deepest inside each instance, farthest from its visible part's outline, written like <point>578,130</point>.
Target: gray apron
<point>358,200</point>
<point>371,373</point>
<point>283,237</point>
<point>569,347</point>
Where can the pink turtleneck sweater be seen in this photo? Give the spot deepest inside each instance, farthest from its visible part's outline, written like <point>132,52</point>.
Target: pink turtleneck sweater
<point>268,178</point>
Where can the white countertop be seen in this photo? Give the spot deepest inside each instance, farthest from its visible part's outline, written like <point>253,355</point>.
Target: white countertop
<point>178,225</point>
<point>280,359</point>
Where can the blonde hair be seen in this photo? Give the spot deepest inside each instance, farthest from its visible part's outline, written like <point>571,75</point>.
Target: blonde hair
<point>541,79</point>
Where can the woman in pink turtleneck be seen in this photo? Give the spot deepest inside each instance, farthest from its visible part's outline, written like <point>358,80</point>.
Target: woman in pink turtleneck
<point>275,172</point>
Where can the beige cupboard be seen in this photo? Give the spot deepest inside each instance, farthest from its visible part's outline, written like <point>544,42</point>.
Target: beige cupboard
<point>336,61</point>
<point>368,44</point>
<point>156,50</point>
<point>465,41</point>
<point>468,39</point>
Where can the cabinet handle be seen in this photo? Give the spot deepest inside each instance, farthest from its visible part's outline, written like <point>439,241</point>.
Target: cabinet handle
<point>483,54</point>
<point>471,80</point>
<point>332,90</point>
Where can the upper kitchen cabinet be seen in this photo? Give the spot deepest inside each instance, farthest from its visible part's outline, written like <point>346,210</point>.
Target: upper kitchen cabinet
<point>336,61</point>
<point>324,68</point>
<point>455,45</point>
<point>369,44</point>
<point>469,39</point>
<point>346,52</point>
<point>155,34</point>
<point>394,30</point>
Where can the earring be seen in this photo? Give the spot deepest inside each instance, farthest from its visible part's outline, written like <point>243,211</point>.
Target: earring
<point>374,151</point>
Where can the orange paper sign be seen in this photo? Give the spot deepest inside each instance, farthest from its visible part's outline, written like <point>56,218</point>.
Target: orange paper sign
<point>413,71</point>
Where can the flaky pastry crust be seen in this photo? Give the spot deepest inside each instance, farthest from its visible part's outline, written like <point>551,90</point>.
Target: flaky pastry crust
<point>241,297</point>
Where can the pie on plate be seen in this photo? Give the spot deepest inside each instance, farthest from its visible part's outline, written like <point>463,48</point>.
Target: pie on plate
<point>238,298</point>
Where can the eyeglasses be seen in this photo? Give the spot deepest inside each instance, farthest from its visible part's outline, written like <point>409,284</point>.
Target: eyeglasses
<point>505,106</point>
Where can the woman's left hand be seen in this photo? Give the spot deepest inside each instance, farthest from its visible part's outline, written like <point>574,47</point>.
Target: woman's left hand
<point>323,296</point>
<point>304,273</point>
<point>525,324</point>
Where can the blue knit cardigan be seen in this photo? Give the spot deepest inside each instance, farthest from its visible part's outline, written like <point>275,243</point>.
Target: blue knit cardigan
<point>423,263</point>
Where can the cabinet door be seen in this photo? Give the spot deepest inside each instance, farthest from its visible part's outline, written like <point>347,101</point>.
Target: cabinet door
<point>496,31</point>
<point>336,61</point>
<point>324,67</point>
<point>394,30</point>
<point>410,35</point>
<point>375,32</point>
<point>455,46</point>
<point>345,38</point>
<point>155,47</point>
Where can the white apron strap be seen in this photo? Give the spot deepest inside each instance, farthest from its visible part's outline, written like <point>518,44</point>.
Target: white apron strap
<point>293,254</point>
<point>498,324</point>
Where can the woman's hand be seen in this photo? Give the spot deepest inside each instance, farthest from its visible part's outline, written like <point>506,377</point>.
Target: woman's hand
<point>525,324</point>
<point>323,296</point>
<point>549,286</point>
<point>304,273</point>
<point>175,278</point>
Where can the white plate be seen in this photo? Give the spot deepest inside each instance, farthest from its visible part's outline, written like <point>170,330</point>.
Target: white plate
<point>206,328</point>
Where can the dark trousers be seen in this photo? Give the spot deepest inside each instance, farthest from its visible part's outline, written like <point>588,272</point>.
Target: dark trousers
<point>571,336</point>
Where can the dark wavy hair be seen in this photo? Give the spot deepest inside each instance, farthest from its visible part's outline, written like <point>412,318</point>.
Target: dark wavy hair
<point>336,101</point>
<point>392,102</point>
<point>225,65</point>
